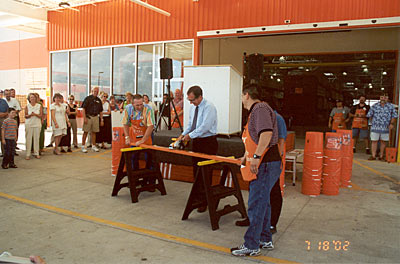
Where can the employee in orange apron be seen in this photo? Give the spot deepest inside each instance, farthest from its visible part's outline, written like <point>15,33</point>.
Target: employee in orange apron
<point>360,123</point>
<point>262,169</point>
<point>138,121</point>
<point>276,192</point>
<point>339,116</point>
<point>178,103</point>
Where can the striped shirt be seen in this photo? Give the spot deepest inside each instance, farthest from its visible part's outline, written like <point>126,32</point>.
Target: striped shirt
<point>146,115</point>
<point>10,127</point>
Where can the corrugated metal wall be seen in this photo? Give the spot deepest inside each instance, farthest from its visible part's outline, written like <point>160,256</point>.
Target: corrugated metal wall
<point>121,21</point>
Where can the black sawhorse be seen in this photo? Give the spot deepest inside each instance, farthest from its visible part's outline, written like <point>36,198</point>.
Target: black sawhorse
<point>204,193</point>
<point>140,179</point>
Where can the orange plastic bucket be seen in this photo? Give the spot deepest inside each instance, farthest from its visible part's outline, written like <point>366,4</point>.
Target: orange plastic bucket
<point>312,166</point>
<point>118,142</point>
<point>391,154</point>
<point>332,164</point>
<point>314,142</point>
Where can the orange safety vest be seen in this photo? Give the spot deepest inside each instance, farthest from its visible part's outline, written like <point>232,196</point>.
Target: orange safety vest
<point>338,121</point>
<point>250,149</point>
<point>137,131</point>
<point>360,120</point>
<point>175,123</point>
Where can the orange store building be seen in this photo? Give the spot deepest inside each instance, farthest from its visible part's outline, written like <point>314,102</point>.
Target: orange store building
<point>329,49</point>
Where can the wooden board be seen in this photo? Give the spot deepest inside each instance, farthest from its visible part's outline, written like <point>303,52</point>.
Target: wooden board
<point>187,153</point>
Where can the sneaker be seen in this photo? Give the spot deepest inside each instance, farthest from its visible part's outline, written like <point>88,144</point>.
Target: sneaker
<point>368,151</point>
<point>243,251</point>
<point>4,166</point>
<point>267,245</point>
<point>84,150</point>
<point>273,230</point>
<point>371,158</point>
<point>13,166</point>
<point>63,150</point>
<point>95,149</point>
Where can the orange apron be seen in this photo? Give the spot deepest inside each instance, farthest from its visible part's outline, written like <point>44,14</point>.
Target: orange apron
<point>360,120</point>
<point>250,150</point>
<point>175,123</point>
<point>338,121</point>
<point>137,131</point>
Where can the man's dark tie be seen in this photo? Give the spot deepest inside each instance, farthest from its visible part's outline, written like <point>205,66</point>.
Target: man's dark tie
<point>196,112</point>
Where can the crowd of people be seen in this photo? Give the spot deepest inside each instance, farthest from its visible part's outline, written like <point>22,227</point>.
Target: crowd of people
<point>369,123</point>
<point>96,112</point>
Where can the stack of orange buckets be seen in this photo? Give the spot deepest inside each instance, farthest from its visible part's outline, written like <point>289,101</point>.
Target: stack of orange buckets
<point>118,142</point>
<point>332,164</point>
<point>347,157</point>
<point>312,165</point>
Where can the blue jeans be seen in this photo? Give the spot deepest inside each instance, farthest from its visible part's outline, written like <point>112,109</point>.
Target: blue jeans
<point>259,208</point>
<point>9,151</point>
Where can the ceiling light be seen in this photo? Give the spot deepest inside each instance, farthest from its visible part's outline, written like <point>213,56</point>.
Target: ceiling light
<point>344,73</point>
<point>356,88</point>
<point>364,66</point>
<point>365,70</point>
<point>362,60</point>
<point>384,73</point>
<point>278,80</point>
<point>156,9</point>
<point>382,88</point>
<point>307,70</point>
<point>301,67</point>
<point>274,74</point>
<point>328,74</point>
<point>349,83</point>
<point>272,77</point>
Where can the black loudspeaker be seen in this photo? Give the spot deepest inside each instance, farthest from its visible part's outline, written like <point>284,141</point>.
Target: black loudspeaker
<point>255,66</point>
<point>166,68</point>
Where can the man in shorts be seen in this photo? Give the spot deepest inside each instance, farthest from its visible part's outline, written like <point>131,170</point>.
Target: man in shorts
<point>383,115</point>
<point>92,118</point>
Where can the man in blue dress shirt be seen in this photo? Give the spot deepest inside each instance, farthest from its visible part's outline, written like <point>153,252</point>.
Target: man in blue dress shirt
<point>202,126</point>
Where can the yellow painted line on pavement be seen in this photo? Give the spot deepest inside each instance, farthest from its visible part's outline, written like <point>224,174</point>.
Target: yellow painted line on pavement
<point>359,188</point>
<point>376,172</point>
<point>135,229</point>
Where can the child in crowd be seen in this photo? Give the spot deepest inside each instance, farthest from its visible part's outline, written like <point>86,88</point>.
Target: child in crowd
<point>9,139</point>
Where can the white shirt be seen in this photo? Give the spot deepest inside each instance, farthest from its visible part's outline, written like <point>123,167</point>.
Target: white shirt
<point>13,103</point>
<point>60,111</point>
<point>33,121</point>
<point>106,105</point>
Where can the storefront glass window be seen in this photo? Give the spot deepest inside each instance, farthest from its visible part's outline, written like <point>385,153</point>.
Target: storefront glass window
<point>124,70</point>
<point>59,73</point>
<point>181,55</point>
<point>79,74</point>
<point>156,95</point>
<point>100,69</point>
<point>145,69</point>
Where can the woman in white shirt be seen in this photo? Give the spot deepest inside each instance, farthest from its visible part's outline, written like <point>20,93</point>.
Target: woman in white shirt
<point>104,135</point>
<point>59,120</point>
<point>33,124</point>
